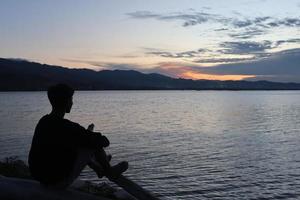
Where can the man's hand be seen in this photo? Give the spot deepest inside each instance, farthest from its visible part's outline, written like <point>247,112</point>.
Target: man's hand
<point>104,141</point>
<point>91,127</point>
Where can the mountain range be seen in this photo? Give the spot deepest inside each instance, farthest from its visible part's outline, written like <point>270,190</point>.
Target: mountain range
<point>22,75</point>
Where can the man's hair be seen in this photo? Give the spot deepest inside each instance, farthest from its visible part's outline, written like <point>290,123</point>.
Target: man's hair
<point>59,95</point>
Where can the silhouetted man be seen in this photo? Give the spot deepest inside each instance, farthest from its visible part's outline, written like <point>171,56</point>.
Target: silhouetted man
<point>60,148</point>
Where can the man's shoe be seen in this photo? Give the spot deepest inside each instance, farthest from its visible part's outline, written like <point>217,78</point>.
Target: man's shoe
<point>115,171</point>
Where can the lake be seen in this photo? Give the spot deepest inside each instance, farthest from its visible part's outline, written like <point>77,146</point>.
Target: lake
<point>181,144</point>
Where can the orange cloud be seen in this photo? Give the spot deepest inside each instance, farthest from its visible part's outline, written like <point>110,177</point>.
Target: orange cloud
<point>197,76</point>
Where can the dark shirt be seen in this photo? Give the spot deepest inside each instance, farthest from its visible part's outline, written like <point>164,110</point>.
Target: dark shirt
<point>55,146</point>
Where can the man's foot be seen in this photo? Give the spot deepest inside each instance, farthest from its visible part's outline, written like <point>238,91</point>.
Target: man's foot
<point>115,171</point>
<point>93,164</point>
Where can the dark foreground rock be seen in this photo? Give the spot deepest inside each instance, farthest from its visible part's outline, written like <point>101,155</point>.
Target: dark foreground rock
<point>24,189</point>
<point>17,184</point>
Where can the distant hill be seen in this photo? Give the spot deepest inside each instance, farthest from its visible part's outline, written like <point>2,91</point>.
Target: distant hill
<point>22,75</point>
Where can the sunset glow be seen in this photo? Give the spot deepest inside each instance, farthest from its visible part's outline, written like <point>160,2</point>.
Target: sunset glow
<point>196,76</point>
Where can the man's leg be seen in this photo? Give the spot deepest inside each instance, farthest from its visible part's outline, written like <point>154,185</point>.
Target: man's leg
<point>83,159</point>
<point>111,172</point>
<point>100,161</point>
<point>101,158</point>
<point>101,166</point>
<point>86,157</point>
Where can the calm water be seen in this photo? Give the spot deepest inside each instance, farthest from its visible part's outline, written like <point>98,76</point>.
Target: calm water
<point>182,144</point>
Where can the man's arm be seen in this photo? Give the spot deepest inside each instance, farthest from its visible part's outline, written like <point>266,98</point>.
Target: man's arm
<point>86,138</point>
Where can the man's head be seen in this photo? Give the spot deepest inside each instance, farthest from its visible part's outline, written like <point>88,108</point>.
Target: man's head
<point>61,97</point>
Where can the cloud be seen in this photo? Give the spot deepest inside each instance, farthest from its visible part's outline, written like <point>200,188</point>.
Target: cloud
<point>245,27</point>
<point>227,52</point>
<point>256,49</point>
<point>100,65</point>
<point>206,7</point>
<point>242,23</point>
<point>247,22</point>
<point>223,60</point>
<point>168,54</point>
<point>143,15</point>
<point>249,28</point>
<point>221,29</point>
<point>280,42</point>
<point>281,66</point>
<point>282,63</point>
<point>116,66</point>
<point>189,19</point>
<point>287,22</point>
<point>245,47</point>
<point>247,33</point>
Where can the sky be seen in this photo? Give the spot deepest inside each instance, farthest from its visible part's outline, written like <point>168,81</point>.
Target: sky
<point>194,39</point>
